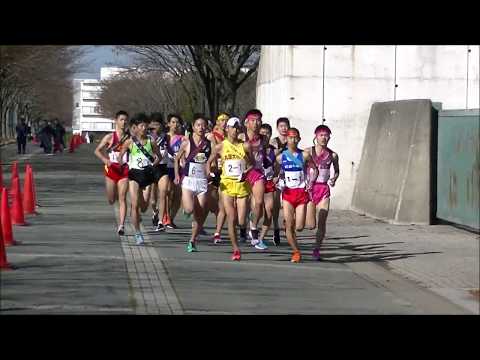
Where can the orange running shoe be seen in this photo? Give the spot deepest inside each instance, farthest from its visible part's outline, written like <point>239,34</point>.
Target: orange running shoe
<point>165,218</point>
<point>236,255</point>
<point>296,257</point>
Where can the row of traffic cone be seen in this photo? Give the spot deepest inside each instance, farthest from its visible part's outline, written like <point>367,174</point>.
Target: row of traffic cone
<point>75,142</point>
<point>20,206</point>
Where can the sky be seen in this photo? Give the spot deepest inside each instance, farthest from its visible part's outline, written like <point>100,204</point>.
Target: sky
<point>98,56</point>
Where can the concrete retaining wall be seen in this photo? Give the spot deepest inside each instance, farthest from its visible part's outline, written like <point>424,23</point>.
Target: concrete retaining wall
<point>394,176</point>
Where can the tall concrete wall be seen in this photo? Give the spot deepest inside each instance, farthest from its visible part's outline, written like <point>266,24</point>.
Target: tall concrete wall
<point>290,83</point>
<point>394,181</point>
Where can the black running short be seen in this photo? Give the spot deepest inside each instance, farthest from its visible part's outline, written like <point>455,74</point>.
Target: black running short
<point>216,180</point>
<point>159,171</point>
<point>143,177</point>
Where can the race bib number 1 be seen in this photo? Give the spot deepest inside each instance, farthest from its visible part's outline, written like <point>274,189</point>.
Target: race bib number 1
<point>234,168</point>
<point>294,179</point>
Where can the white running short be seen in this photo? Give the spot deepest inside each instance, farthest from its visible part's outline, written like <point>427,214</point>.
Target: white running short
<point>195,185</point>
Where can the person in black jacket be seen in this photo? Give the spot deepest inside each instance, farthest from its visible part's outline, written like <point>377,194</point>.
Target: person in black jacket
<point>58,136</point>
<point>45,134</point>
<point>22,134</point>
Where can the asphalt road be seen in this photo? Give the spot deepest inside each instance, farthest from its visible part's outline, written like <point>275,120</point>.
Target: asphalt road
<point>72,262</point>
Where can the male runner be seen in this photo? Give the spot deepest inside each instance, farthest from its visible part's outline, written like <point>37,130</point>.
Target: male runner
<point>318,207</point>
<point>197,150</point>
<point>116,176</point>
<point>236,160</point>
<point>215,195</point>
<point>160,171</point>
<point>294,163</point>
<point>280,144</point>
<point>174,140</point>
<point>143,157</point>
<point>255,176</point>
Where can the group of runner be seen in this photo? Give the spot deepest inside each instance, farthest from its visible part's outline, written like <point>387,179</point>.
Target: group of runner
<point>233,169</point>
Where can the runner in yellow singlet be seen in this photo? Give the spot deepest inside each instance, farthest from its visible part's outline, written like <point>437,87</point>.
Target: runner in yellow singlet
<point>237,161</point>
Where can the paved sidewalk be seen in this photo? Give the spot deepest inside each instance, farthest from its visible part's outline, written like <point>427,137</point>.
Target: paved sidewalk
<point>441,258</point>
<point>72,262</point>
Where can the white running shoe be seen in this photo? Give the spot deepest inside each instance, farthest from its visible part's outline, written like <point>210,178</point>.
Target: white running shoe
<point>121,230</point>
<point>261,245</point>
<point>139,240</point>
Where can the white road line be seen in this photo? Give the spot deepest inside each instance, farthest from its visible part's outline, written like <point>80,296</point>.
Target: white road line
<point>259,264</point>
<point>85,256</point>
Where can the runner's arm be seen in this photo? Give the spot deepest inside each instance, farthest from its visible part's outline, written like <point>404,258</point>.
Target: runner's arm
<point>309,163</point>
<point>217,149</point>
<point>336,168</point>
<point>99,149</point>
<point>249,160</point>
<point>156,156</point>
<point>123,150</point>
<point>210,137</point>
<point>176,162</point>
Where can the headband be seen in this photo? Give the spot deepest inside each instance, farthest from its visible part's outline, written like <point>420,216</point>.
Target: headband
<point>222,117</point>
<point>253,117</point>
<point>292,133</point>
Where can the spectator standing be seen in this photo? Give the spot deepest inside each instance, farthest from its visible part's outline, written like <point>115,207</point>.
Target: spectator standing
<point>58,136</point>
<point>46,133</point>
<point>22,134</point>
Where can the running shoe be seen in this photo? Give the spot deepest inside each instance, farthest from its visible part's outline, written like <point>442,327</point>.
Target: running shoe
<point>171,225</point>
<point>296,257</point>
<point>253,237</point>
<point>121,230</point>
<point>216,238</point>
<point>316,254</point>
<point>261,245</point>
<point>236,255</point>
<point>191,247</point>
<point>276,237</point>
<point>139,240</point>
<point>160,227</point>
<point>155,219</point>
<point>243,235</point>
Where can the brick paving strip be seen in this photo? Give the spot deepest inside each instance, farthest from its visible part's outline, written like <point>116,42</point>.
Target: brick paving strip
<point>151,286</point>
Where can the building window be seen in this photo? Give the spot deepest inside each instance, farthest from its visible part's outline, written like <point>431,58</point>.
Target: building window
<point>77,105</point>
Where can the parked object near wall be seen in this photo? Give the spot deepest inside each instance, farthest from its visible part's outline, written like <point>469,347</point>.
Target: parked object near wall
<point>396,168</point>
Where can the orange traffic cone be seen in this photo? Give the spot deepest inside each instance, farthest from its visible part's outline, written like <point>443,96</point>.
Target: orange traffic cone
<point>13,187</point>
<point>72,145</point>
<point>4,265</point>
<point>7,232</point>
<point>28,192</point>
<point>14,169</point>
<point>17,206</point>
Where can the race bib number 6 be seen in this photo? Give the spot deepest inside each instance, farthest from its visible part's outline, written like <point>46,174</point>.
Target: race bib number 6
<point>196,170</point>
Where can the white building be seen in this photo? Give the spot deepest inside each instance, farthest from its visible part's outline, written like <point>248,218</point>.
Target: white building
<point>87,116</point>
<point>340,84</point>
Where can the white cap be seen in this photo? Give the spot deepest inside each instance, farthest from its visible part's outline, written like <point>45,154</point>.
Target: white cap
<point>233,121</point>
